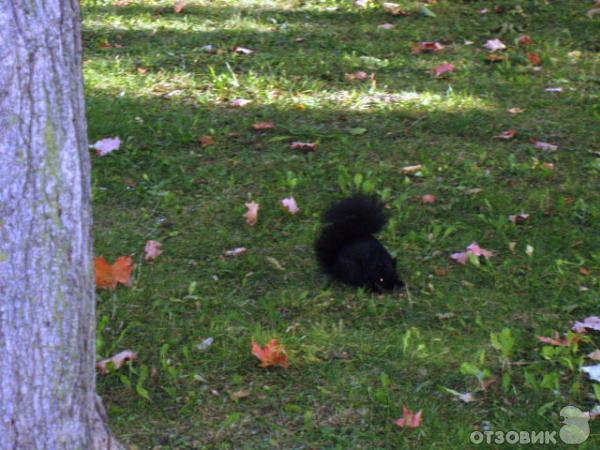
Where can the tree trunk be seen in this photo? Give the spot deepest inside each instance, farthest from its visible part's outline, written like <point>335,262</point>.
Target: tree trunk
<point>47,323</point>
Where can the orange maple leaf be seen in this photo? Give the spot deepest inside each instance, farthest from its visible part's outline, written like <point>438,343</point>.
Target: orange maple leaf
<point>108,276</point>
<point>273,354</point>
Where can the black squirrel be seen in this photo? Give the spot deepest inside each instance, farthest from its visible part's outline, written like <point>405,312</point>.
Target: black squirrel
<point>347,249</point>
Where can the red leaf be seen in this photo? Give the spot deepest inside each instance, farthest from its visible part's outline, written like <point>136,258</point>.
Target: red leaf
<point>305,147</point>
<point>442,69</point>
<point>273,354</point>
<point>428,198</point>
<point>508,134</point>
<point>108,276</point>
<point>409,418</point>
<point>534,59</point>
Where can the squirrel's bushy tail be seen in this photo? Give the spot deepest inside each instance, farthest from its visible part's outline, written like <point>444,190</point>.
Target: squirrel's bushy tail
<point>348,220</point>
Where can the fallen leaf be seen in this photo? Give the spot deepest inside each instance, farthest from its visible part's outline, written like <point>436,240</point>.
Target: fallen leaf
<point>207,48</point>
<point>545,146</point>
<point>529,250</point>
<point>524,40</point>
<point>511,246</point>
<point>107,145</point>
<point>152,250</point>
<point>426,47</point>
<point>494,44</point>
<point>290,205</point>
<point>428,198</point>
<point>407,170</point>
<point>519,218</point>
<point>443,68</point>
<point>584,271</point>
<point>239,102</point>
<point>238,395</point>
<point>299,40</point>
<point>206,141</point>
<point>386,26</point>
<point>259,126</point>
<point>554,89</point>
<point>467,397</point>
<point>494,58</point>
<point>235,252</point>
<point>252,214</point>
<point>592,12</point>
<point>592,371</point>
<point>142,70</point>
<point>595,355</point>
<point>108,276</point>
<point>409,418</point>
<point>179,6</point>
<point>356,76</point>
<point>120,3</point>
<point>305,147</point>
<point>118,360</point>
<point>516,110</point>
<point>483,11</point>
<point>557,341</point>
<point>242,51</point>
<point>534,58</point>
<point>273,354</point>
<point>508,134</point>
<point>589,323</point>
<point>472,249</point>
<point>205,343</point>
<point>361,3</point>
<point>547,165</point>
<point>394,9</point>
<point>276,264</point>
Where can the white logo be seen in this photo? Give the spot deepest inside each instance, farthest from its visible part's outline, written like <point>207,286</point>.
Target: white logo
<point>576,428</point>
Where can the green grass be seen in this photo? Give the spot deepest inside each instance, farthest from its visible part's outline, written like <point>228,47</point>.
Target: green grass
<point>355,357</point>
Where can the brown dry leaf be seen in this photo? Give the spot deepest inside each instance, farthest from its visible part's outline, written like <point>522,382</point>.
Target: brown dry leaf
<point>207,140</point>
<point>235,252</point>
<point>179,6</point>
<point>516,110</point>
<point>508,134</point>
<point>518,219</point>
<point>238,395</point>
<point>242,51</point>
<point>494,57</point>
<point>305,147</point>
<point>259,126</point>
<point>534,59</point>
<point>394,9</point>
<point>142,70</point>
<point>426,47</point>
<point>595,355</point>
<point>524,40</point>
<point>356,76</point>
<point>118,360</point>
<point>411,169</point>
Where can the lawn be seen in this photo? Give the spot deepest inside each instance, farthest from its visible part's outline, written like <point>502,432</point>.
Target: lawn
<point>165,84</point>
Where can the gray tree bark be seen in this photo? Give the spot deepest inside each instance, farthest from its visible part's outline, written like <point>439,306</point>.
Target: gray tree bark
<point>47,323</point>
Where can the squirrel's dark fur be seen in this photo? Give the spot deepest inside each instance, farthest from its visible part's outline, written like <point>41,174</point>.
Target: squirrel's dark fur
<point>347,249</point>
